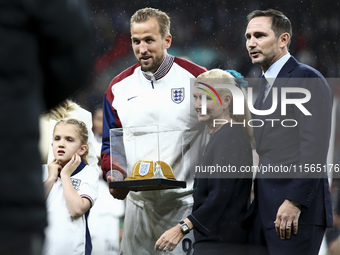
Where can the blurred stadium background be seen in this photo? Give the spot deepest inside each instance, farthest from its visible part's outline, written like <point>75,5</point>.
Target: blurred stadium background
<point>211,34</point>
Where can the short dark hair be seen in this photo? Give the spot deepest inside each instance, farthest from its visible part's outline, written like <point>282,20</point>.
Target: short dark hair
<point>145,14</point>
<point>280,23</point>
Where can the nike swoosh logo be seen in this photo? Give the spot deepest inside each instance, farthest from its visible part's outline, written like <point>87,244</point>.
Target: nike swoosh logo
<point>131,98</point>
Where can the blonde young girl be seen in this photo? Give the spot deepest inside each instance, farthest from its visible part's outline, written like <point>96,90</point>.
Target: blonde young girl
<point>70,110</point>
<point>71,189</point>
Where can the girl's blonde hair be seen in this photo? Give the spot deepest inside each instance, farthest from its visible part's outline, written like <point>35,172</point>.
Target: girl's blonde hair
<point>81,130</point>
<point>222,77</point>
<point>61,111</point>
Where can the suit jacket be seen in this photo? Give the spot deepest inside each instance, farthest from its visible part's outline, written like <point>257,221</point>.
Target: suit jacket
<point>297,146</point>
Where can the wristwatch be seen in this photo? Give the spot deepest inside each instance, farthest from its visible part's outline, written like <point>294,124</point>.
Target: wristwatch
<point>184,227</point>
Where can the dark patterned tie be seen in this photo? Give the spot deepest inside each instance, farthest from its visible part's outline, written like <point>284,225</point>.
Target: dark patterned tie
<point>262,92</point>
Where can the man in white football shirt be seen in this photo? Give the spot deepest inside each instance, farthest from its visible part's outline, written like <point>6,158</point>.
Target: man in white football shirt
<point>155,91</point>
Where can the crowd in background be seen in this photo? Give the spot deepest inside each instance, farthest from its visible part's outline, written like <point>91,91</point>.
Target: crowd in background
<point>211,33</point>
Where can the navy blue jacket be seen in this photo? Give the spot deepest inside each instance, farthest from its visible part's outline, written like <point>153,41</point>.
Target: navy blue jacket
<point>300,146</point>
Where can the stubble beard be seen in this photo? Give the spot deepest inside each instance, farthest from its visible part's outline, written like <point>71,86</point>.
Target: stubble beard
<point>156,62</point>
<point>266,61</point>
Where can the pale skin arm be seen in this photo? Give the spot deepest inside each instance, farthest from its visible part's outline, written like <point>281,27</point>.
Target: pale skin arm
<point>53,170</point>
<point>287,218</point>
<point>171,237</point>
<point>77,205</point>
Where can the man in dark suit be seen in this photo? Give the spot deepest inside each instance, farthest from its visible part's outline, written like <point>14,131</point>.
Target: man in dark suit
<point>293,210</point>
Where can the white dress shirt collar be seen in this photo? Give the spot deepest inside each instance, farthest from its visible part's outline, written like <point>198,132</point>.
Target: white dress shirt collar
<point>275,68</point>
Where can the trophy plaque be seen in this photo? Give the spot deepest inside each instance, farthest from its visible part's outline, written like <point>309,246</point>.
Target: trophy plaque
<point>150,155</point>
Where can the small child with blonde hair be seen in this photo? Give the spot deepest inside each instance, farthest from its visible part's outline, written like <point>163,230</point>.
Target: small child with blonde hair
<point>71,188</point>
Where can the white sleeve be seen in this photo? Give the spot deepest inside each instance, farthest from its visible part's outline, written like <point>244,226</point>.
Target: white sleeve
<point>89,184</point>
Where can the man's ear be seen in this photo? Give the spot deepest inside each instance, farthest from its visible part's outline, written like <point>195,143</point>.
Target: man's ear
<point>167,41</point>
<point>284,40</point>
